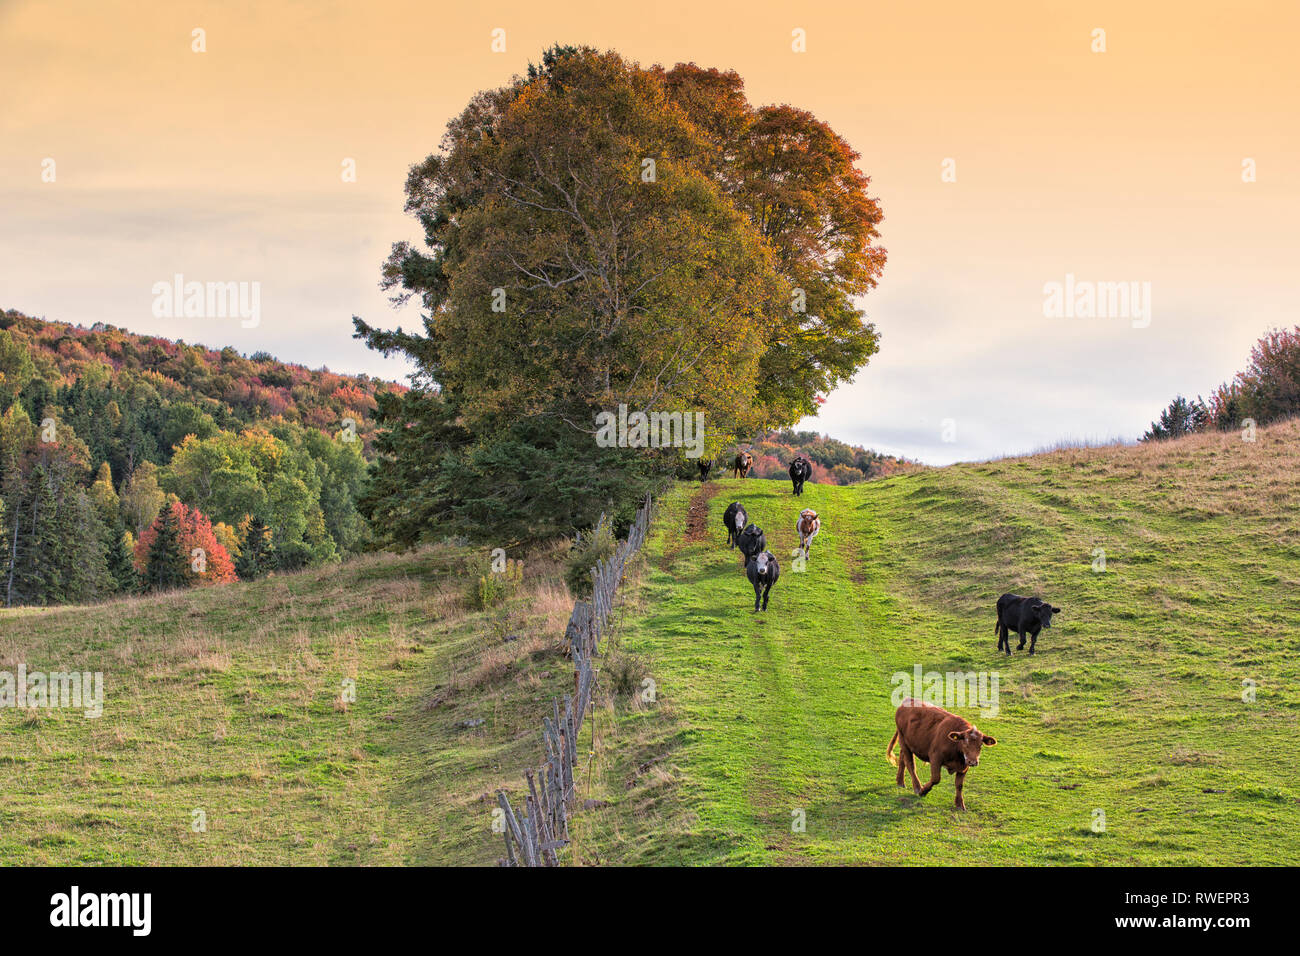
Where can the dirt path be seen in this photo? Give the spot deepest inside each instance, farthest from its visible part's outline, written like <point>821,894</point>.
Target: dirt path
<point>697,529</point>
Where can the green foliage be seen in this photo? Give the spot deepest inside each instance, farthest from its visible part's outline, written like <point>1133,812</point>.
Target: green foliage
<point>228,435</point>
<point>592,546</point>
<point>1267,390</point>
<point>256,550</point>
<point>1180,418</point>
<point>494,588</point>
<point>565,278</point>
<point>166,565</point>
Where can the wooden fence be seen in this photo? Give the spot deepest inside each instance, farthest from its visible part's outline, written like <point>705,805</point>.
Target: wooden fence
<point>534,835</point>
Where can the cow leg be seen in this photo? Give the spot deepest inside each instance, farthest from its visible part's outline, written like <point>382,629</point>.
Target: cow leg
<point>961,779</point>
<point>758,592</point>
<point>1021,645</point>
<point>910,759</point>
<point>1002,637</point>
<point>903,754</point>
<point>936,772</point>
<point>766,591</point>
<point>1032,641</point>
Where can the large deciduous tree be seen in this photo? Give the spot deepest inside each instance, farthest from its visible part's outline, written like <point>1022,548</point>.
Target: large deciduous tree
<point>598,234</point>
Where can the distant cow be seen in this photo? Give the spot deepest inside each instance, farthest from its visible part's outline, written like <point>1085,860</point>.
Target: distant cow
<point>800,471</point>
<point>740,467</point>
<point>807,527</point>
<point>735,519</point>
<point>762,571</point>
<point>1024,615</point>
<point>752,541</point>
<point>930,733</point>
<point>704,465</point>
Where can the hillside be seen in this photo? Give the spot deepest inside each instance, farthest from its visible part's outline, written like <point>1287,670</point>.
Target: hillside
<point>1132,707</point>
<point>104,433</point>
<point>228,699</point>
<point>236,390</point>
<point>833,461</point>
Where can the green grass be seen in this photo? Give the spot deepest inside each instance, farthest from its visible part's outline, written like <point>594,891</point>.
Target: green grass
<point>1133,705</point>
<point>229,700</point>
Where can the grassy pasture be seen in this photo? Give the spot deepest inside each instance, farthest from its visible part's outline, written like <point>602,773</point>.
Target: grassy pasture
<point>1133,706</point>
<point>228,700</point>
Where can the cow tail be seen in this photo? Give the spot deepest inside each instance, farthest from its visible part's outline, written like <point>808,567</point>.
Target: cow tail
<point>889,751</point>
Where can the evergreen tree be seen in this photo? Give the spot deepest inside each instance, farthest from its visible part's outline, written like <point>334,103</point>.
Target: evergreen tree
<point>126,580</point>
<point>165,565</point>
<point>258,554</point>
<point>1180,418</point>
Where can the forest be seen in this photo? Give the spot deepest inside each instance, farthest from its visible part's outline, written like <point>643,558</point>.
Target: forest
<point>132,462</point>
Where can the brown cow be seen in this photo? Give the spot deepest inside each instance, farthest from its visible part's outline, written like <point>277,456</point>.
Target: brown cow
<point>740,467</point>
<point>930,733</point>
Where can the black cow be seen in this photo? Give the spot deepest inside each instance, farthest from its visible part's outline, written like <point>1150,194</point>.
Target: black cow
<point>762,571</point>
<point>735,519</point>
<point>705,464</point>
<point>1024,615</point>
<point>752,541</point>
<point>800,471</point>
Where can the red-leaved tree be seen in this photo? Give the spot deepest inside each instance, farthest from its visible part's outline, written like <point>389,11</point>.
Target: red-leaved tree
<point>197,554</point>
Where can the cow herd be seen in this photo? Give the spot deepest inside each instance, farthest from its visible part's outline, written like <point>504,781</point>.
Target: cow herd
<point>924,731</point>
<point>761,566</point>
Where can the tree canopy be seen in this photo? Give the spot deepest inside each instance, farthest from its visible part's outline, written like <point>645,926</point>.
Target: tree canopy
<point>599,234</point>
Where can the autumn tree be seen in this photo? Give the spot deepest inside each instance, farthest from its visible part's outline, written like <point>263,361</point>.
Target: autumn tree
<point>599,235</point>
<point>180,550</point>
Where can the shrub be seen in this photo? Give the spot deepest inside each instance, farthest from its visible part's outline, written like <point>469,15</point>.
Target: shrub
<point>494,588</point>
<point>589,547</point>
<point>625,673</point>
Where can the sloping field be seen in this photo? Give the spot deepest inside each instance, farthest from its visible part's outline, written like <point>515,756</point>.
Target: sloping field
<point>1129,738</point>
<point>230,701</point>
<point>765,740</point>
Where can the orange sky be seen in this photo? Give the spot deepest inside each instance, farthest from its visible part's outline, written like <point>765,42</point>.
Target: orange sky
<point>1123,165</point>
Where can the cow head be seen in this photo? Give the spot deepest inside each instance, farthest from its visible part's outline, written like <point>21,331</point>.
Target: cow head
<point>761,561</point>
<point>741,518</point>
<point>970,742</point>
<point>1045,612</point>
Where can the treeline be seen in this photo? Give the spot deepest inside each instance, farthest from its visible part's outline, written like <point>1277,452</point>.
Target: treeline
<point>833,461</point>
<point>1266,391</point>
<point>120,470</point>
<point>148,371</point>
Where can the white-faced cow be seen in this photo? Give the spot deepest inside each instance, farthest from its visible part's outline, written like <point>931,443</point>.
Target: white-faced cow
<point>807,527</point>
<point>800,471</point>
<point>1024,615</point>
<point>752,541</point>
<point>740,467</point>
<point>762,571</point>
<point>930,733</point>
<point>735,519</point>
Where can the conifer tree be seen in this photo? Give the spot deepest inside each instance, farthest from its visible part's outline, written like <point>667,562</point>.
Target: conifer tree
<point>258,554</point>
